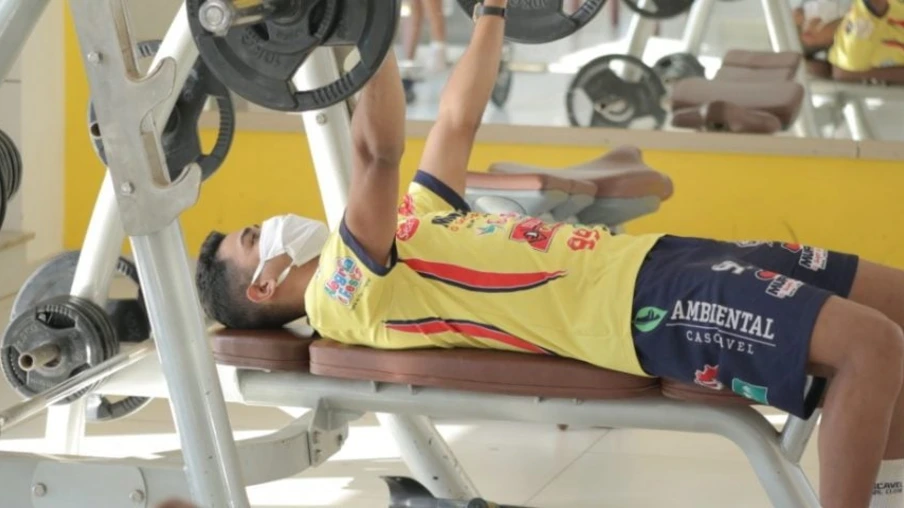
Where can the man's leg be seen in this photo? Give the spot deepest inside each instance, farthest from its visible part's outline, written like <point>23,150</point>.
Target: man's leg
<point>412,29</point>
<point>874,286</point>
<point>864,350</point>
<point>706,315</point>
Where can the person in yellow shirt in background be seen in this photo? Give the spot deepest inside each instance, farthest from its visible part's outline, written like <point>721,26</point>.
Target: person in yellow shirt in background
<point>870,36</point>
<point>750,317</point>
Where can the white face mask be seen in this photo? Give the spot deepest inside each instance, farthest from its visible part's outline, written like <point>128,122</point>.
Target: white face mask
<point>302,239</point>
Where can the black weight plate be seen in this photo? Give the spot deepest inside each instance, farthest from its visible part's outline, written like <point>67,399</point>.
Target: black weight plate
<point>677,66</point>
<point>11,161</point>
<point>258,62</point>
<point>3,202</point>
<point>76,326</point>
<point>180,137</point>
<point>659,9</point>
<point>616,102</point>
<point>541,21</point>
<point>54,278</point>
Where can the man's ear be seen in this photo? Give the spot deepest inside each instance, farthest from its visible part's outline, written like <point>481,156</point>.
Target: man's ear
<point>261,291</point>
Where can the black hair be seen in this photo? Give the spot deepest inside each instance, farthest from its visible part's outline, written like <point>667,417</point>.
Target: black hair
<point>222,286</point>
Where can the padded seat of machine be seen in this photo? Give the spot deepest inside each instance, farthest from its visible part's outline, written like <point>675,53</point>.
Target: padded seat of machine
<point>529,182</point>
<point>621,173</point>
<point>478,370</point>
<point>781,99</point>
<point>276,350</point>
<point>743,65</point>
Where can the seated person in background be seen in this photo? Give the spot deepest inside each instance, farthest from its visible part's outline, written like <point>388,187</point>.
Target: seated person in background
<point>817,21</point>
<point>870,36</point>
<point>751,317</point>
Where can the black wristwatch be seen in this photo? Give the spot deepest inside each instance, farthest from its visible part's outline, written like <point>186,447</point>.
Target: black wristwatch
<point>488,10</point>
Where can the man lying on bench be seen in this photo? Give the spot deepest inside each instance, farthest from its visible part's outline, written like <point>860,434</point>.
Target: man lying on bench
<point>752,317</point>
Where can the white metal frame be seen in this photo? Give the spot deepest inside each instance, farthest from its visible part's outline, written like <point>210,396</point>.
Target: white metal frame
<point>212,469</point>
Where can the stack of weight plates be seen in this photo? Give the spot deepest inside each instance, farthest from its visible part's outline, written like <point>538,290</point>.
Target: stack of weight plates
<point>10,173</point>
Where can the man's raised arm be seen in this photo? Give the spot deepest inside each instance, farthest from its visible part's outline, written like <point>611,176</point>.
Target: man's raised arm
<point>378,136</point>
<point>463,102</point>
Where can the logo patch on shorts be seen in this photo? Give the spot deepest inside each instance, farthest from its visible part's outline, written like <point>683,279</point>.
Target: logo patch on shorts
<point>649,318</point>
<point>753,392</point>
<point>708,377</point>
<point>811,258</point>
<point>779,285</point>
<point>345,281</point>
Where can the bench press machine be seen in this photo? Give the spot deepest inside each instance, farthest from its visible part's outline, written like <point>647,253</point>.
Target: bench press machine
<point>285,369</point>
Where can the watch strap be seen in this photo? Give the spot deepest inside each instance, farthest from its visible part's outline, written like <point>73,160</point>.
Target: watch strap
<point>481,10</point>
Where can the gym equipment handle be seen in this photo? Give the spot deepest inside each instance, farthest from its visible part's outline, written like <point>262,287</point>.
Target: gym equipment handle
<point>218,16</point>
<point>35,405</point>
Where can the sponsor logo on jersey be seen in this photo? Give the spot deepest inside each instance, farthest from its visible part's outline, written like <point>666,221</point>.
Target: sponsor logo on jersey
<point>448,219</point>
<point>345,282</point>
<point>779,286</point>
<point>708,377</point>
<point>436,325</point>
<point>535,232</point>
<point>480,281</point>
<point>751,391</point>
<point>406,230</point>
<point>811,258</point>
<point>648,319</point>
<point>407,207</point>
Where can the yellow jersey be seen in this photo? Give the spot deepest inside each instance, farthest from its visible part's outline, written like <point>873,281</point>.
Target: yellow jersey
<point>865,41</point>
<point>502,281</point>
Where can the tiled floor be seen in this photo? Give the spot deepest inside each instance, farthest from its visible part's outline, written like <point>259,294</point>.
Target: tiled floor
<point>536,465</point>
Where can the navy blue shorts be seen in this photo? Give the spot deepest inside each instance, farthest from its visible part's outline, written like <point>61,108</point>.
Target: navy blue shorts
<point>737,315</point>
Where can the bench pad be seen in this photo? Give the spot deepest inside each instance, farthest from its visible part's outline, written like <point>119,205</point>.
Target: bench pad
<point>783,100</point>
<point>278,350</point>
<point>620,173</point>
<point>478,370</point>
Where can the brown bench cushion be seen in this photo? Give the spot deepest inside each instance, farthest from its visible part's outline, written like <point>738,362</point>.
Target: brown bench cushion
<point>783,100</point>
<point>529,182</point>
<point>761,59</point>
<point>726,117</point>
<point>478,370</point>
<point>475,370</point>
<point>282,350</point>
<point>621,173</point>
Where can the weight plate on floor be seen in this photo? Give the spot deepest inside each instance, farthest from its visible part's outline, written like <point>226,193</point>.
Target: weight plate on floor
<point>260,61</point>
<point>180,138</point>
<point>659,9</point>
<point>615,91</point>
<point>541,21</point>
<point>677,66</point>
<point>503,87</point>
<point>79,331</point>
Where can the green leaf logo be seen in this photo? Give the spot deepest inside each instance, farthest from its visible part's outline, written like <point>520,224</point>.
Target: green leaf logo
<point>753,392</point>
<point>649,318</point>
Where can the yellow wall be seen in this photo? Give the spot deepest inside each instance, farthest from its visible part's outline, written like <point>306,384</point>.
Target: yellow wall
<point>852,205</point>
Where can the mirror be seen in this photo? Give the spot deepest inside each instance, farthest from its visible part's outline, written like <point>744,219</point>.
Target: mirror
<point>569,83</point>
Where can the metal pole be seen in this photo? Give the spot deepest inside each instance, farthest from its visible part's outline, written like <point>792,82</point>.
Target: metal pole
<point>196,396</point>
<point>695,28</point>
<point>855,118</point>
<point>429,457</point>
<point>783,36</point>
<point>639,32</point>
<point>17,20</point>
<point>329,137</point>
<point>150,214</point>
<point>103,240</point>
<point>32,407</point>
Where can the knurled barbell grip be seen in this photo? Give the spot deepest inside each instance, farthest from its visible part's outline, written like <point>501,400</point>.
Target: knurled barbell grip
<point>218,16</point>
